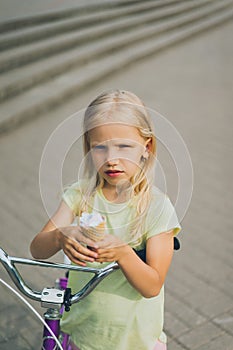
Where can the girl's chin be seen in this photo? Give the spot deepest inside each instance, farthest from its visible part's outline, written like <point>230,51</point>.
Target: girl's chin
<point>119,184</point>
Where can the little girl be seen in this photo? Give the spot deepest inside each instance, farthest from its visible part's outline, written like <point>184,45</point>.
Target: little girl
<point>126,310</point>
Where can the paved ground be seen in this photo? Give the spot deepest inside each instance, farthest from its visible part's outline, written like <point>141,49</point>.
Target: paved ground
<point>191,84</point>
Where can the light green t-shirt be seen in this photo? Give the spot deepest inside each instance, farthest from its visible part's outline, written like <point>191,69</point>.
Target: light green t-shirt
<point>116,316</point>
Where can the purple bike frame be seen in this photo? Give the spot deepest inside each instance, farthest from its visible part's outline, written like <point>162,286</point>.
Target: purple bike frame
<point>49,342</point>
<point>52,318</point>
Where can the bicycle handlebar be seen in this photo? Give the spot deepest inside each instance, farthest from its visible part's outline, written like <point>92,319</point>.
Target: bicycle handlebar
<point>8,263</point>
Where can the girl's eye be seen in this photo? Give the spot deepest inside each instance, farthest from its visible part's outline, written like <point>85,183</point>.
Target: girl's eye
<point>99,147</point>
<point>124,146</point>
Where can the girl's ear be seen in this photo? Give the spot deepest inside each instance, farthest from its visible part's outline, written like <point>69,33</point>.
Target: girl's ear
<point>147,149</point>
<point>148,145</point>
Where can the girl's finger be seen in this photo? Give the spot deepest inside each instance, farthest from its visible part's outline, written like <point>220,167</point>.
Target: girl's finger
<point>73,258</point>
<point>106,259</point>
<point>107,256</point>
<point>103,252</point>
<point>78,262</point>
<point>87,251</point>
<point>87,241</point>
<point>84,253</point>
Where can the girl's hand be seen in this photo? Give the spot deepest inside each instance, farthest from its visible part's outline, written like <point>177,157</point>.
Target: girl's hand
<point>111,248</point>
<point>75,245</point>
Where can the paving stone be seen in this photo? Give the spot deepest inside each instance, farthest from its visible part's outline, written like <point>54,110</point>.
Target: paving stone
<point>15,343</point>
<point>174,326</point>
<point>186,313</point>
<point>224,341</point>
<point>13,316</point>
<point>175,284</point>
<point>175,346</point>
<point>32,332</point>
<point>201,335</point>
<point>225,321</point>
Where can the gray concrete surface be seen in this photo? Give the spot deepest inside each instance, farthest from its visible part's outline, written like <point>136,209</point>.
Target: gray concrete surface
<point>11,9</point>
<point>191,85</point>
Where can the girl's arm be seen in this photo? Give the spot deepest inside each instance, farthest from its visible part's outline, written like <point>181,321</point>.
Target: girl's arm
<point>148,278</point>
<point>57,235</point>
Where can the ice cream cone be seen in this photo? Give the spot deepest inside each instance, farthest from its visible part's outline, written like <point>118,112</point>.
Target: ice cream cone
<point>93,226</point>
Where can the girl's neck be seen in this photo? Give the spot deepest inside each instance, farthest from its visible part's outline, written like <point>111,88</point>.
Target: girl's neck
<point>116,194</point>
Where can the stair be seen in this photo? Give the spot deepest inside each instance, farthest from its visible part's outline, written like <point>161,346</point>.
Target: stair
<point>52,57</point>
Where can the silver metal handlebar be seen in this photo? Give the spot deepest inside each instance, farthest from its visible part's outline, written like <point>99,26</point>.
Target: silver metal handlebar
<point>9,262</point>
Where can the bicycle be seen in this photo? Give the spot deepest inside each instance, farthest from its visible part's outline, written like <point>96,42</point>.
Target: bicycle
<point>54,299</point>
<point>58,298</point>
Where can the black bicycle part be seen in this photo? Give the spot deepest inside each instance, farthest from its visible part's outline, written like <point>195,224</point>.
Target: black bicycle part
<point>142,252</point>
<point>67,299</point>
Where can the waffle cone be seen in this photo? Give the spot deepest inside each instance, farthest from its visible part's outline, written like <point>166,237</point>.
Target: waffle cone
<point>93,225</point>
<point>95,233</point>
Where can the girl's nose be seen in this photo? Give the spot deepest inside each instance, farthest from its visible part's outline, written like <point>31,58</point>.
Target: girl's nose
<point>112,161</point>
<point>112,158</point>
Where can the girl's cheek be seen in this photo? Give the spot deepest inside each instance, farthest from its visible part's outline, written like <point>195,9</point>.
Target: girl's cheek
<point>98,162</point>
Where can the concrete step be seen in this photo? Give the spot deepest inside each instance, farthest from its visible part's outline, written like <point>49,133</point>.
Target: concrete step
<point>80,7</point>
<point>19,56</point>
<point>43,30</point>
<point>21,79</point>
<point>37,100</point>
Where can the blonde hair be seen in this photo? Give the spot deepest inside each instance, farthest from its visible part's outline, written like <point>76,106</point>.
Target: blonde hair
<point>124,107</point>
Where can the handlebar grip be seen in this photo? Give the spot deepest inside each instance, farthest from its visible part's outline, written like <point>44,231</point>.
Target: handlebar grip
<point>141,254</point>
<point>176,243</point>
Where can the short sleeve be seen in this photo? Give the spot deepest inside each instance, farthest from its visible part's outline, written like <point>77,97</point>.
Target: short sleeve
<point>161,217</point>
<point>72,197</point>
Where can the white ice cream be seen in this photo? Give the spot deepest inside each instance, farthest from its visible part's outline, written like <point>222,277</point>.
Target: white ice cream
<point>91,219</point>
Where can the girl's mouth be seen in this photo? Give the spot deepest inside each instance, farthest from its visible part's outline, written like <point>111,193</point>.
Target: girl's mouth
<point>113,173</point>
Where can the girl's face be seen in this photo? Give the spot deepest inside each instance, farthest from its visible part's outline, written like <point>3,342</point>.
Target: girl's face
<point>117,151</point>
